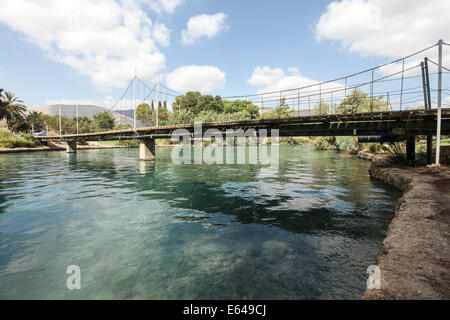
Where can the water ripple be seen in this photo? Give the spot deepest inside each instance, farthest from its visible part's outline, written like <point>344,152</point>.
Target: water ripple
<point>165,231</point>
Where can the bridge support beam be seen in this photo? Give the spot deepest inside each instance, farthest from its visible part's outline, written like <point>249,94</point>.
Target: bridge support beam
<point>71,146</point>
<point>411,151</point>
<point>429,149</point>
<point>147,149</point>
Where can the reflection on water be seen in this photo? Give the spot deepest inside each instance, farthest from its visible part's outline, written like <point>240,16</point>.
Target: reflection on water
<point>163,231</point>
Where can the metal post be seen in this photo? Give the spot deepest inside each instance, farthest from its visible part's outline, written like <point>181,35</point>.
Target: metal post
<point>438,131</point>
<point>427,78</point>
<point>309,105</point>
<point>293,102</point>
<point>135,101</point>
<point>401,89</point>
<point>428,106</point>
<point>262,105</point>
<point>320,99</point>
<point>388,100</point>
<point>298,102</point>
<point>77,118</point>
<point>157,102</point>
<point>331,102</point>
<point>345,88</point>
<point>424,86</point>
<point>60,129</point>
<point>320,93</point>
<point>371,93</point>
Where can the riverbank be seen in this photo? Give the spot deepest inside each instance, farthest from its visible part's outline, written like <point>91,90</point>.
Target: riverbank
<point>415,259</point>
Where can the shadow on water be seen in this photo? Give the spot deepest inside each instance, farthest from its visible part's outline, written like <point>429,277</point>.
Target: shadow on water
<point>338,197</point>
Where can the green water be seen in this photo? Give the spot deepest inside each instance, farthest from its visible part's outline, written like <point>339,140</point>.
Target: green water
<point>160,230</point>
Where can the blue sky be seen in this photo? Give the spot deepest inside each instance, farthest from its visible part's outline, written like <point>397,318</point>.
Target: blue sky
<point>45,57</point>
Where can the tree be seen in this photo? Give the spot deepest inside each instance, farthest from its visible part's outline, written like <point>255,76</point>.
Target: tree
<point>36,121</point>
<point>210,103</point>
<point>245,106</point>
<point>359,101</point>
<point>281,111</point>
<point>68,125</point>
<point>2,102</point>
<point>183,116</point>
<point>187,102</point>
<point>11,109</point>
<point>85,125</point>
<point>321,109</point>
<point>163,113</point>
<point>145,114</point>
<point>104,121</point>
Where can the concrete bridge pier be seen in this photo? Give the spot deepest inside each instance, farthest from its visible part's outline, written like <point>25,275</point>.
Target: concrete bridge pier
<point>411,151</point>
<point>147,149</point>
<point>71,146</point>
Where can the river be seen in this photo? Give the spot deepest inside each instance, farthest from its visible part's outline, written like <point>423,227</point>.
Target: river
<point>160,230</point>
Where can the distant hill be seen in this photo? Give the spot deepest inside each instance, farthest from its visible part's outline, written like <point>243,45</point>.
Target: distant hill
<point>121,116</point>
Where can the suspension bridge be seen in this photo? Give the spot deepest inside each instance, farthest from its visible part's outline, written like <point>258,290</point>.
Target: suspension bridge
<point>409,89</point>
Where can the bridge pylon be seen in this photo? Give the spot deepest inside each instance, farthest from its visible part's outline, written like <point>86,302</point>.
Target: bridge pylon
<point>71,146</point>
<point>147,149</point>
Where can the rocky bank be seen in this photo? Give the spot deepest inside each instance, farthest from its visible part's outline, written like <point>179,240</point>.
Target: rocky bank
<point>415,259</point>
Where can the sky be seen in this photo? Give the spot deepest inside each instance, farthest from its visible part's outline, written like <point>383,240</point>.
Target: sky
<point>87,51</point>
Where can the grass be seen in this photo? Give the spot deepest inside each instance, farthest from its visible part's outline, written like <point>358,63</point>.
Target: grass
<point>110,143</point>
<point>423,144</point>
<point>10,140</point>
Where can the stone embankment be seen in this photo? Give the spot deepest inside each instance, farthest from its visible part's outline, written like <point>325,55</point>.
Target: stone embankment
<point>415,259</point>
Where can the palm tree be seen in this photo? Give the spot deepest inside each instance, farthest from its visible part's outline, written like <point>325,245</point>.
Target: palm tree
<point>36,119</point>
<point>11,108</point>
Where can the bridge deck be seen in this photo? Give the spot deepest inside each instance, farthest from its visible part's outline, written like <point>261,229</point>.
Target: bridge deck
<point>389,123</point>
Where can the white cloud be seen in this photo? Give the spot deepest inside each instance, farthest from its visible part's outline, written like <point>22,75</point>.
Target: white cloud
<point>164,5</point>
<point>203,25</point>
<point>102,39</point>
<point>274,80</point>
<point>196,78</point>
<point>384,27</point>
<point>265,76</point>
<point>161,34</point>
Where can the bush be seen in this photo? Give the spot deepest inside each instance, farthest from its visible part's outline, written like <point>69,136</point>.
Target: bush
<point>325,143</point>
<point>395,151</point>
<point>9,140</point>
<point>129,143</point>
<point>346,144</point>
<point>28,137</point>
<point>295,141</point>
<point>303,140</point>
<point>122,127</point>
